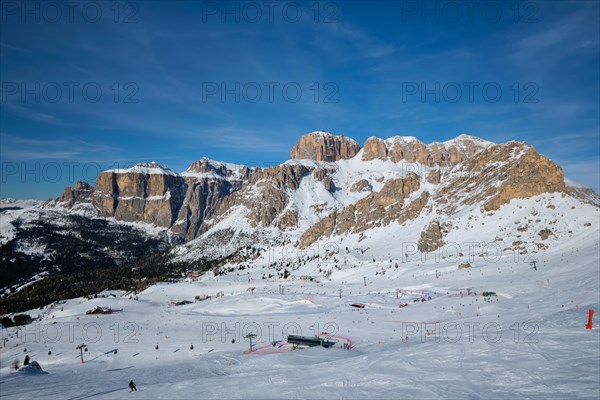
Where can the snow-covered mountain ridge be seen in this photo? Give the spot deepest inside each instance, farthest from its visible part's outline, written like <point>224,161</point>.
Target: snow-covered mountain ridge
<point>332,187</point>
<point>325,173</point>
<point>333,191</point>
<point>476,265</point>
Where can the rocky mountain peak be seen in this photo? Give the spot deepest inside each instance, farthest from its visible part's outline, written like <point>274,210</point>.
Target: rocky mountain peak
<point>323,146</point>
<point>80,192</point>
<point>498,174</point>
<point>411,149</point>
<point>313,199</point>
<point>146,192</point>
<point>204,166</point>
<point>149,168</point>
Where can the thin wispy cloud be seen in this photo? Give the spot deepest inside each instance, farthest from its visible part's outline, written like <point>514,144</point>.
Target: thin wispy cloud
<point>584,173</point>
<point>241,139</point>
<point>367,53</point>
<point>19,148</point>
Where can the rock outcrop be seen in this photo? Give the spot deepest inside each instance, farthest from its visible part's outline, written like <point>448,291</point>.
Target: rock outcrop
<point>460,172</point>
<point>586,195</point>
<point>377,209</point>
<point>146,193</point>
<point>545,233</point>
<point>361,185</point>
<point>288,220</point>
<point>208,184</point>
<point>264,195</point>
<point>499,174</point>
<point>202,200</point>
<point>434,177</point>
<point>285,176</point>
<point>432,237</point>
<point>81,192</point>
<point>410,149</point>
<point>414,209</point>
<point>323,146</point>
<point>322,175</point>
<point>533,174</point>
<point>375,148</point>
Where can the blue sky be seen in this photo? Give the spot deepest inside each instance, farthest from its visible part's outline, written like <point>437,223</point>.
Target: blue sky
<point>241,81</point>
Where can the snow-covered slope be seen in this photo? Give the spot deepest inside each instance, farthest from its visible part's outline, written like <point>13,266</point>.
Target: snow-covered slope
<point>475,263</point>
<point>41,238</point>
<point>526,341</point>
<point>398,189</point>
<point>11,210</point>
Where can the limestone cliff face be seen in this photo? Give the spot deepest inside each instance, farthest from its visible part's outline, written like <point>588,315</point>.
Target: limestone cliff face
<point>461,172</point>
<point>377,209</point>
<point>434,177</point>
<point>203,198</point>
<point>106,194</point>
<point>264,195</point>
<point>79,193</point>
<point>410,149</point>
<point>533,174</point>
<point>323,146</point>
<point>323,176</point>
<point>375,148</point>
<point>285,176</point>
<point>147,193</point>
<point>204,194</point>
<point>499,174</point>
<point>208,184</point>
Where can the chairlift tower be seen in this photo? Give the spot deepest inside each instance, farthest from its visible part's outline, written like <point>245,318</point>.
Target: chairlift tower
<point>80,348</point>
<point>533,264</point>
<point>250,336</point>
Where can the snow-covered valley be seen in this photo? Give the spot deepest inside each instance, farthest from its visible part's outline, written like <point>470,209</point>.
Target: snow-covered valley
<point>527,340</point>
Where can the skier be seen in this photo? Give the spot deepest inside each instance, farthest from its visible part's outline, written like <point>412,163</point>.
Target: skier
<point>132,385</point>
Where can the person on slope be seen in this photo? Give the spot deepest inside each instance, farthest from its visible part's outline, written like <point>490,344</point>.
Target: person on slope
<point>132,385</point>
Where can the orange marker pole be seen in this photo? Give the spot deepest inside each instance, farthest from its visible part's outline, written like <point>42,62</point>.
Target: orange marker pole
<point>591,315</point>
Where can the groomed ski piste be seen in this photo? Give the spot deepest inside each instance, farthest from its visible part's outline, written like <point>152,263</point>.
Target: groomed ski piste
<point>426,329</point>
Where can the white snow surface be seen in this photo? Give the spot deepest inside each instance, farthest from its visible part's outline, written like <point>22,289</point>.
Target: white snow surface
<point>528,341</point>
<point>11,210</point>
<point>151,168</point>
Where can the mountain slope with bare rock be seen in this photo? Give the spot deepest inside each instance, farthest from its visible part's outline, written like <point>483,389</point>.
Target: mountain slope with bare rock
<point>398,190</point>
